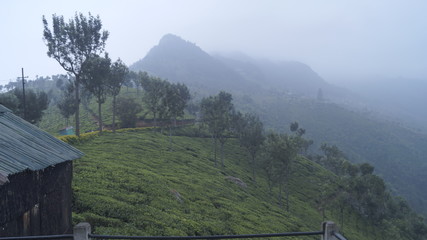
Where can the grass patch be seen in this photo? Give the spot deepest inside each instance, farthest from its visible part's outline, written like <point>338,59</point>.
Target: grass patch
<point>131,183</point>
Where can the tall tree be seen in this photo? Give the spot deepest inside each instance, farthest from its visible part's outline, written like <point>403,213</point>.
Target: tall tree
<point>252,137</point>
<point>9,100</point>
<point>174,102</point>
<point>225,109</point>
<point>301,143</point>
<point>67,104</point>
<point>127,110</point>
<point>131,80</point>
<point>238,124</point>
<point>279,152</point>
<point>142,79</point>
<point>36,103</point>
<point>154,92</point>
<point>70,44</point>
<point>334,159</point>
<point>178,97</point>
<point>217,112</point>
<point>95,74</point>
<point>118,76</point>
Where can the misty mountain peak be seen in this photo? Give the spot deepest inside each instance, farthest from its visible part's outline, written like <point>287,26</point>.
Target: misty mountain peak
<point>171,44</point>
<point>171,39</point>
<point>179,60</point>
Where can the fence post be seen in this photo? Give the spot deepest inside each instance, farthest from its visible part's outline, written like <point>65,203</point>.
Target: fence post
<point>81,231</point>
<point>328,228</point>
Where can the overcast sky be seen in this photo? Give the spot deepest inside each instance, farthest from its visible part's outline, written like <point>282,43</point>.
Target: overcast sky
<point>338,39</point>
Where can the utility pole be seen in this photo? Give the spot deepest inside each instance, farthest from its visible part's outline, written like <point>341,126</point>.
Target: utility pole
<point>23,93</point>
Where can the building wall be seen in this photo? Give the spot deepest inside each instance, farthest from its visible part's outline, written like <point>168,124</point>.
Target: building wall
<point>37,202</point>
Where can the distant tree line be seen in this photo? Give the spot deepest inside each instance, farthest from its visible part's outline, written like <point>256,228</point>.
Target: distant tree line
<point>77,46</point>
<point>35,103</point>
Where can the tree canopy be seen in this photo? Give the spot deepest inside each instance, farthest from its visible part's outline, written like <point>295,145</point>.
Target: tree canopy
<point>217,113</point>
<point>95,78</point>
<point>70,44</point>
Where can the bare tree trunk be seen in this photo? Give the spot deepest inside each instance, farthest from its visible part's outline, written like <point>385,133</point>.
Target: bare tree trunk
<point>215,145</point>
<point>287,195</point>
<point>280,194</point>
<point>99,117</point>
<point>214,141</point>
<point>155,119</point>
<point>77,114</point>
<point>170,137</point>
<point>222,153</point>
<point>114,113</point>
<point>287,189</point>
<point>253,168</point>
<point>323,213</point>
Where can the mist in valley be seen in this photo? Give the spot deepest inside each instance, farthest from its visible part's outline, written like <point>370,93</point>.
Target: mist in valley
<point>352,74</point>
<point>373,49</point>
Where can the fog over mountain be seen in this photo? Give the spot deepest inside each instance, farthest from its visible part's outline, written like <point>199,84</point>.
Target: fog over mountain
<point>294,49</point>
<point>180,60</point>
<point>398,99</point>
<point>351,75</point>
<point>281,92</point>
<point>337,39</point>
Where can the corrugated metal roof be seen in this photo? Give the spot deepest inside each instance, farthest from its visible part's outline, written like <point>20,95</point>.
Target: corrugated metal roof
<point>4,109</point>
<point>24,146</point>
<point>3,178</point>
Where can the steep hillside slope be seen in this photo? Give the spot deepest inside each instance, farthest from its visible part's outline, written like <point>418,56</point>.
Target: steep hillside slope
<point>284,95</point>
<point>130,183</point>
<point>397,153</point>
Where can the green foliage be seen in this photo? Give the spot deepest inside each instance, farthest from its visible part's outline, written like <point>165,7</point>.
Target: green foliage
<point>95,77</point>
<point>70,44</point>
<point>396,152</point>
<point>76,140</point>
<point>284,92</point>
<point>217,113</point>
<point>67,103</point>
<point>279,153</point>
<point>128,183</point>
<point>155,91</point>
<point>95,74</point>
<point>35,103</point>
<point>127,109</point>
<point>118,76</point>
<point>251,136</point>
<point>177,97</point>
<point>367,195</point>
<point>9,100</point>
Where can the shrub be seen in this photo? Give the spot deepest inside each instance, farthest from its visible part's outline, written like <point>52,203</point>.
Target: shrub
<point>127,109</point>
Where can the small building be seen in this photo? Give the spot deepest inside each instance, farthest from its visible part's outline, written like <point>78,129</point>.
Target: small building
<point>35,179</point>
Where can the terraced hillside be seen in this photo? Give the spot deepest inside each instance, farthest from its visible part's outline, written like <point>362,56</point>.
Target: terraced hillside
<point>134,182</point>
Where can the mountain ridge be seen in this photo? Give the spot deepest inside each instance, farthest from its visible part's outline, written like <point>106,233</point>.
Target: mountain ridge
<point>396,152</point>
<point>172,56</point>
